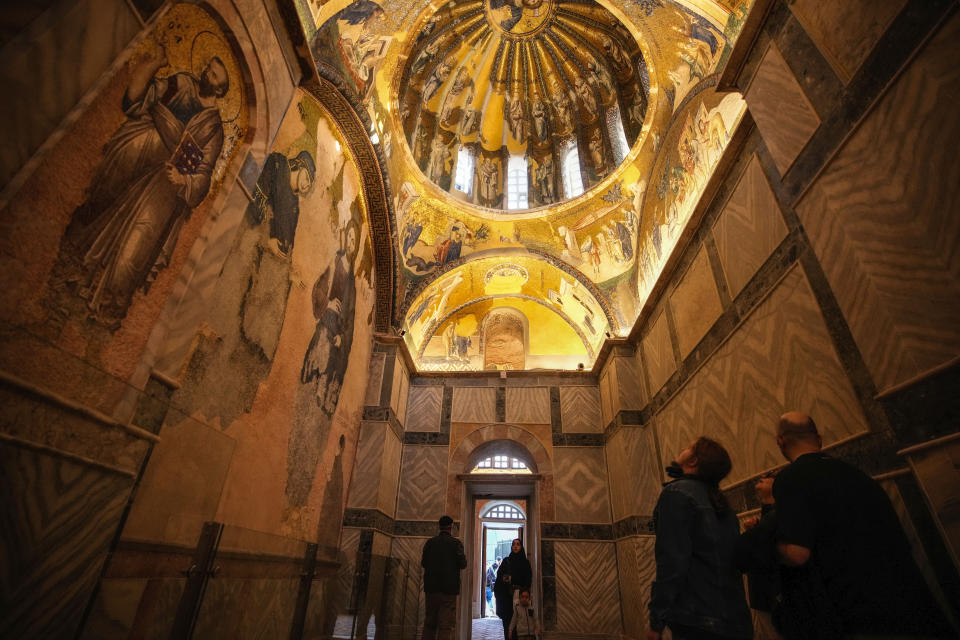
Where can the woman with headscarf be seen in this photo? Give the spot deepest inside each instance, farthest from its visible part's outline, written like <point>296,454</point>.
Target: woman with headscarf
<point>513,574</point>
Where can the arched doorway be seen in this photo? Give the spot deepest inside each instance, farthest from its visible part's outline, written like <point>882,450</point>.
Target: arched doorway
<point>499,479</point>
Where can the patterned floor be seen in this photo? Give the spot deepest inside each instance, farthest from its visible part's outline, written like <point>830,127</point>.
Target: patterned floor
<point>487,629</point>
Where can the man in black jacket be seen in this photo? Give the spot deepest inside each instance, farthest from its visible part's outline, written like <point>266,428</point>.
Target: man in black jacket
<point>443,560</point>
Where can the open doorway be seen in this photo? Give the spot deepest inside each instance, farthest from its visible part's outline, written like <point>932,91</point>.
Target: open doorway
<point>501,521</point>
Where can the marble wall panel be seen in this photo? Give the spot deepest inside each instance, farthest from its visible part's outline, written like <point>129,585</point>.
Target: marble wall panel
<point>474,404</point>
<point>916,542</point>
<point>280,85</point>
<point>588,593</point>
<point>938,472</point>
<point>634,471</point>
<point>749,227</point>
<point>581,484</point>
<point>349,545</point>
<point>401,385</point>
<point>247,608</point>
<point>783,114</point>
<point>608,381</point>
<point>528,405</point>
<point>423,409</point>
<point>781,358</point>
<point>658,353</point>
<point>846,32</point>
<point>423,475</point>
<point>636,569</point>
<point>580,410</point>
<point>49,68</point>
<point>695,303</point>
<point>367,466</point>
<point>58,520</point>
<point>630,393</point>
<point>375,381</point>
<point>883,220</point>
<point>389,473</point>
<point>410,550</point>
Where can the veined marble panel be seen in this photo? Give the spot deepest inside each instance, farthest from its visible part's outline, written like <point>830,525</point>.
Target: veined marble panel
<point>588,594</point>
<point>389,473</point>
<point>630,393</point>
<point>695,303</point>
<point>349,544</point>
<point>658,353</point>
<point>367,466</point>
<point>608,381</point>
<point>410,550</point>
<point>246,608</point>
<point>474,404</point>
<point>423,488</point>
<point>637,569</point>
<point>884,220</point>
<point>938,472</point>
<point>401,384</point>
<point>581,485</point>
<point>749,228</point>
<point>634,471</point>
<point>528,405</point>
<point>423,409</point>
<point>846,32</point>
<point>375,381</point>
<point>783,114</point>
<point>58,520</point>
<point>580,410</point>
<point>780,359</point>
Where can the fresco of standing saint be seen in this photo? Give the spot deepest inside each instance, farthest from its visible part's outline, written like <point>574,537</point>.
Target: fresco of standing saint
<point>156,167</point>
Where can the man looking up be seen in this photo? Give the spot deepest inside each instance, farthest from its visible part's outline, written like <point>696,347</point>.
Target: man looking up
<point>838,525</point>
<point>442,561</point>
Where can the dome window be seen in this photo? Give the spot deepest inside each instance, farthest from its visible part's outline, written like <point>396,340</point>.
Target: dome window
<point>572,179</point>
<point>464,178</point>
<point>517,183</point>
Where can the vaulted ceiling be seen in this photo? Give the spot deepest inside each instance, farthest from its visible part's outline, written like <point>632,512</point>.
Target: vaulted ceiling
<point>487,111</point>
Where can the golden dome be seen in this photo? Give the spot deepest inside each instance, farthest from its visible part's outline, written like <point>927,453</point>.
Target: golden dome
<point>516,104</point>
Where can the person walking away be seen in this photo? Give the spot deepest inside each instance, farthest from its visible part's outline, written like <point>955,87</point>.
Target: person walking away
<point>443,559</point>
<point>514,574</point>
<point>698,591</point>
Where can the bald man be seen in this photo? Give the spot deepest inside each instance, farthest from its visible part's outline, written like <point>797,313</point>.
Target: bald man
<point>848,569</point>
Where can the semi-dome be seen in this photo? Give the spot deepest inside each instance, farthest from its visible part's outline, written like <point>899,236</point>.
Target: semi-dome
<point>517,104</point>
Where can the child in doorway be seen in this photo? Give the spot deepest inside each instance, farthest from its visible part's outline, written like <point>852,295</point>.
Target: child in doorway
<point>525,624</point>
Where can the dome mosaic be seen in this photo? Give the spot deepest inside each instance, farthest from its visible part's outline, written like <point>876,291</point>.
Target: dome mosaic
<point>520,104</point>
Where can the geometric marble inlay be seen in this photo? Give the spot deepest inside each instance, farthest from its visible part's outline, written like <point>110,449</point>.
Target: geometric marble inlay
<point>749,228</point>
<point>781,358</point>
<point>884,219</point>
<point>783,114</point>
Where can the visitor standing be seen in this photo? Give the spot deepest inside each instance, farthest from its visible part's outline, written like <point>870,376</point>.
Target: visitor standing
<point>442,560</point>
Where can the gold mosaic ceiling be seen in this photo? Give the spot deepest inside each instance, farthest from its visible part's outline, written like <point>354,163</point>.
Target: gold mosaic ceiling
<point>522,78</point>
<point>480,285</point>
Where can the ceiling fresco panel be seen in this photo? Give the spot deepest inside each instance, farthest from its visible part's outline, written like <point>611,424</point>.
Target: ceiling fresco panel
<point>476,106</point>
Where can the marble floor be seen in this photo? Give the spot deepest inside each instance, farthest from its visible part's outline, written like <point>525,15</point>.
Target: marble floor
<point>487,629</point>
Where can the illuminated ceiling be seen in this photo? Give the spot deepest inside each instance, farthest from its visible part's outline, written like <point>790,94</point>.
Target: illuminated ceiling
<point>501,79</point>
<point>480,285</point>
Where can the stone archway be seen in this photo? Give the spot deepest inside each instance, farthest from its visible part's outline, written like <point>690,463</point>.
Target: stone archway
<point>462,461</point>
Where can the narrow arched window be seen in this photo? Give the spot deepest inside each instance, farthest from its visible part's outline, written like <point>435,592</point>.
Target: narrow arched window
<point>517,183</point>
<point>464,176</point>
<point>572,180</point>
<point>618,138</point>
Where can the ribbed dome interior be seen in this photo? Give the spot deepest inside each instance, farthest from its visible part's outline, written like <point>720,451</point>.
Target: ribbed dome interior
<point>500,85</point>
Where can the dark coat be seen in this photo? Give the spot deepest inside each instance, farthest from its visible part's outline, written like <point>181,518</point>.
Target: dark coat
<point>442,561</point>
